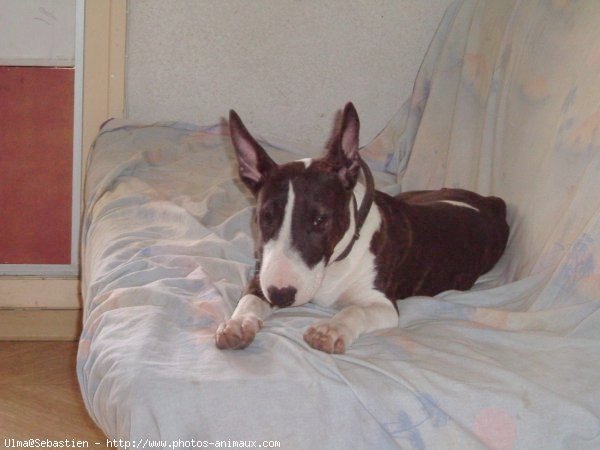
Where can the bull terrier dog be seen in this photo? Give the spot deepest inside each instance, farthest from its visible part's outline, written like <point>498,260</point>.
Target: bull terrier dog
<point>325,238</point>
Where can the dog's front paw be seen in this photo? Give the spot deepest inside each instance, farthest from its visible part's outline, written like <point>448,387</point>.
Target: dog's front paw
<point>327,337</point>
<point>237,333</point>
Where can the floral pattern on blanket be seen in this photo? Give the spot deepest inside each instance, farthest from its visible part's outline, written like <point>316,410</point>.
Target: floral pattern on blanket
<point>506,103</point>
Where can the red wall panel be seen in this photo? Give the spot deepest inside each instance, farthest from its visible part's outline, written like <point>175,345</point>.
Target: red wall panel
<point>36,160</point>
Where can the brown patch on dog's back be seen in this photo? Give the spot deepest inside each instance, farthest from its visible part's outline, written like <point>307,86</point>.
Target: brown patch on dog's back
<point>426,246</point>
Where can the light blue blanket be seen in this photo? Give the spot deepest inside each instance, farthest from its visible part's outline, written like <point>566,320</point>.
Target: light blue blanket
<point>507,102</point>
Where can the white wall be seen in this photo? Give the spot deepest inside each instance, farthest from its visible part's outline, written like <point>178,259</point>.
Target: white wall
<point>37,32</point>
<point>286,66</point>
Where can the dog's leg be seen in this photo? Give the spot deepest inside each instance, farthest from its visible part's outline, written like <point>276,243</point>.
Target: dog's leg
<point>239,331</point>
<point>335,335</point>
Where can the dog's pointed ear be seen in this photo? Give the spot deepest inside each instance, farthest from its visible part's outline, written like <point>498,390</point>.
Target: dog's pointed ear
<point>343,153</point>
<point>254,163</point>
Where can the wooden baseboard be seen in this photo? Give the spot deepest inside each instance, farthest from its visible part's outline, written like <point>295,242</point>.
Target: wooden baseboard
<point>39,293</point>
<point>40,324</point>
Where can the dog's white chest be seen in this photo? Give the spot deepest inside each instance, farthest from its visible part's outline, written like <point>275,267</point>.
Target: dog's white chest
<point>346,281</point>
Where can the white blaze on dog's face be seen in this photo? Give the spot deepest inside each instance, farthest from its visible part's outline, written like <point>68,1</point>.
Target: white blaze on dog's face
<point>303,210</point>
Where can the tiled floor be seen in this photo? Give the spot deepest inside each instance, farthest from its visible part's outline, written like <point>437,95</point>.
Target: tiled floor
<point>39,394</point>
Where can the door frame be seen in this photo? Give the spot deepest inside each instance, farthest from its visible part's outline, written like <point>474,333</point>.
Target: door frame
<point>71,269</point>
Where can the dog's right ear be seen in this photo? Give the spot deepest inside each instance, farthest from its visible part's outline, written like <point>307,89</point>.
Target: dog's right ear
<point>254,163</point>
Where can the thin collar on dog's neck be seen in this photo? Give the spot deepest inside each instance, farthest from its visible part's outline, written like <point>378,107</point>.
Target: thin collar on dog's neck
<point>361,214</point>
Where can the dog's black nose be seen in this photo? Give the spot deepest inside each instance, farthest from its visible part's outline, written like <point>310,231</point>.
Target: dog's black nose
<point>282,297</point>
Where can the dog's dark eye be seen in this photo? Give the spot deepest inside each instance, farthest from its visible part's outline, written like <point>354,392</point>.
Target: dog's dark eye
<point>319,222</point>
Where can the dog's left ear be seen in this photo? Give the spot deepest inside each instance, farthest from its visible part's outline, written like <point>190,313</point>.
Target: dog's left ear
<point>344,151</point>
